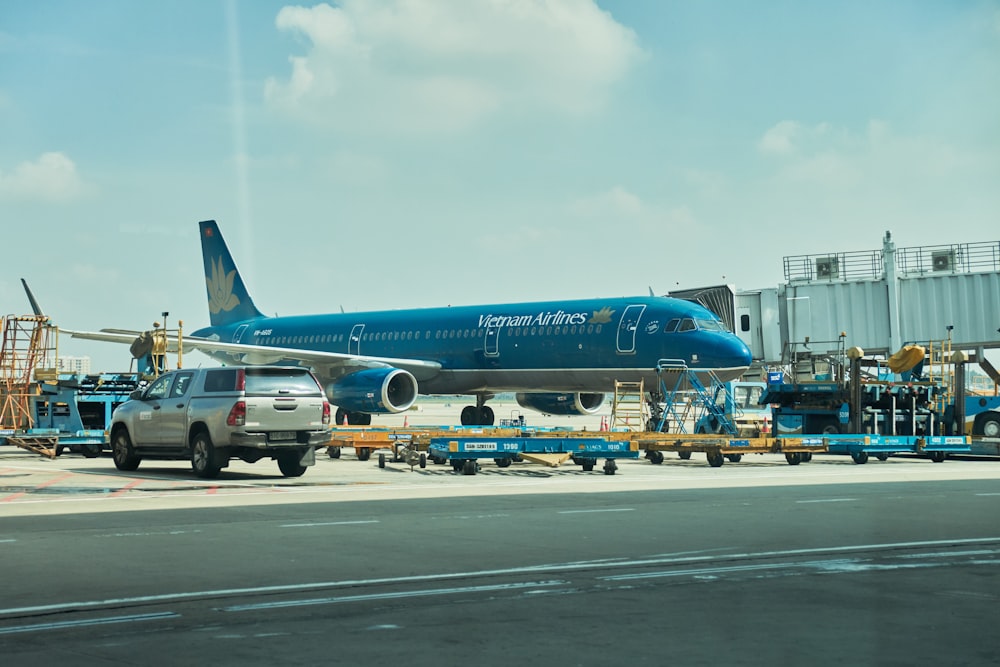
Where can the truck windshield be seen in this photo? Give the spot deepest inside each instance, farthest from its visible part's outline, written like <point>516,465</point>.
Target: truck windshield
<point>280,381</point>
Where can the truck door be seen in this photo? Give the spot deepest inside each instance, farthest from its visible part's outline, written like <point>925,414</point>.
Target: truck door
<point>173,411</point>
<point>354,342</point>
<point>149,420</point>
<point>627,328</point>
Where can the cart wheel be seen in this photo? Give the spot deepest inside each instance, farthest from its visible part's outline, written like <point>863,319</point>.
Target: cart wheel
<point>882,456</point>
<point>363,453</point>
<point>470,467</point>
<point>735,458</point>
<point>793,458</point>
<point>333,452</point>
<point>655,457</point>
<point>381,460</point>
<point>684,456</point>
<point>90,451</point>
<point>806,456</point>
<point>610,467</point>
<point>588,464</point>
<point>860,457</point>
<point>937,457</point>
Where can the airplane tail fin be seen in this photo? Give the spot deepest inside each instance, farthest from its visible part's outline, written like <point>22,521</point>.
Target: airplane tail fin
<point>228,299</point>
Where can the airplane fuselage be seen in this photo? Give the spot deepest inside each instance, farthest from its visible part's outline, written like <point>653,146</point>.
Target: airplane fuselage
<point>559,346</point>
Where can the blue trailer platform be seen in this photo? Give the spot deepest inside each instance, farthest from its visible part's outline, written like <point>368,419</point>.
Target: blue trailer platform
<point>860,447</point>
<point>465,453</point>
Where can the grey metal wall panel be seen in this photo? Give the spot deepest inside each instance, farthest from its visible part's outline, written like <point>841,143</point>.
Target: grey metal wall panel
<point>822,311</point>
<point>969,302</point>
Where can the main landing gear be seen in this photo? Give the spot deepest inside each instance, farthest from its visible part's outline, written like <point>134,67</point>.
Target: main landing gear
<point>479,414</point>
<point>353,418</point>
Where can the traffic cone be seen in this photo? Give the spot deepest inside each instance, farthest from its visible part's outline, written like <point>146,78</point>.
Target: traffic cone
<point>345,419</point>
<point>406,421</point>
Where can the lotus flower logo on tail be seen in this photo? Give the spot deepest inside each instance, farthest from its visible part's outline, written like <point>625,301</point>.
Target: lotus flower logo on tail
<point>220,289</point>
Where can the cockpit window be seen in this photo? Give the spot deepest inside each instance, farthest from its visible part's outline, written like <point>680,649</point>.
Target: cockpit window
<point>687,324</point>
<point>672,325</point>
<point>710,325</point>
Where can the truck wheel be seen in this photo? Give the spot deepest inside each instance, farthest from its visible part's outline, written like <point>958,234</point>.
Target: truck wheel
<point>289,464</point>
<point>91,451</point>
<point>991,427</point>
<point>122,451</point>
<point>203,456</point>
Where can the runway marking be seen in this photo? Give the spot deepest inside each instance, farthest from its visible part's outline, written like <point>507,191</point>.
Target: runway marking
<point>131,485</point>
<point>446,576</point>
<point>54,480</point>
<point>328,523</point>
<point>988,494</point>
<point>626,509</point>
<point>87,622</point>
<point>828,500</point>
<point>392,596</point>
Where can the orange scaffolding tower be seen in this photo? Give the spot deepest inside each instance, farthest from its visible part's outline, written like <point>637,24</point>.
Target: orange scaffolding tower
<point>27,355</point>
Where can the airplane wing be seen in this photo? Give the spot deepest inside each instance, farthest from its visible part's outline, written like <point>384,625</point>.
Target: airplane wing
<point>331,364</point>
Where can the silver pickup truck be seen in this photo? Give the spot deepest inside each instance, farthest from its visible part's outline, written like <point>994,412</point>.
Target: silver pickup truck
<point>210,415</point>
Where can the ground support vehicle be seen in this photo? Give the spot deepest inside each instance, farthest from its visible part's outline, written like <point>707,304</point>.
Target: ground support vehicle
<point>860,447</point>
<point>465,452</point>
<point>720,448</point>
<point>211,415</point>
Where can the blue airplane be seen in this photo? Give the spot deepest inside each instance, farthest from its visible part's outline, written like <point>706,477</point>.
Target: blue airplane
<point>559,357</point>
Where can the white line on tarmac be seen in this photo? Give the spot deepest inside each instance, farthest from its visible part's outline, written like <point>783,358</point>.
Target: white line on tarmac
<point>396,595</point>
<point>829,500</point>
<point>91,621</point>
<point>625,509</point>
<point>328,523</point>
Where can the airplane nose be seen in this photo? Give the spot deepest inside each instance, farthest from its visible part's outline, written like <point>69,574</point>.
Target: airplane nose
<point>739,352</point>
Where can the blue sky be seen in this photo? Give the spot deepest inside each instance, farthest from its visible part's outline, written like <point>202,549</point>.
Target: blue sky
<point>371,155</point>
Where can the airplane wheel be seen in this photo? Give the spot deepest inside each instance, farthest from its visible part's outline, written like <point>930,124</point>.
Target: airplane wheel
<point>470,416</point>
<point>486,417</point>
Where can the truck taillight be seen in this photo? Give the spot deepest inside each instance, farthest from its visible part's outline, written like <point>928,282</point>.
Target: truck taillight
<point>241,379</point>
<point>326,413</point>
<point>238,415</point>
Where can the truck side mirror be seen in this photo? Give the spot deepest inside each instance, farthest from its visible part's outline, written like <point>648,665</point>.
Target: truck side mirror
<point>135,395</point>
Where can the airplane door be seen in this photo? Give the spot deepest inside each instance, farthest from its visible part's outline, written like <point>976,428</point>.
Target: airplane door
<point>492,341</point>
<point>238,334</point>
<point>354,343</point>
<point>627,328</point>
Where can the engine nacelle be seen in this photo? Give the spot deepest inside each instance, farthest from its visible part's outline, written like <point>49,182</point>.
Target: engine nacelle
<point>561,404</point>
<point>375,390</point>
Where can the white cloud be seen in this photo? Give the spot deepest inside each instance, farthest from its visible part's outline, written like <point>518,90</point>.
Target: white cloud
<point>443,66</point>
<point>52,176</point>
<point>609,205</point>
<point>780,139</point>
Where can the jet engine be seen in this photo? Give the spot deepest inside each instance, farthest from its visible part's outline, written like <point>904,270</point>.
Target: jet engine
<point>374,390</point>
<point>561,404</point>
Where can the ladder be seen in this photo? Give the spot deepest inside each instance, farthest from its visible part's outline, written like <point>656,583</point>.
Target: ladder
<point>699,400</point>
<point>628,410</point>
